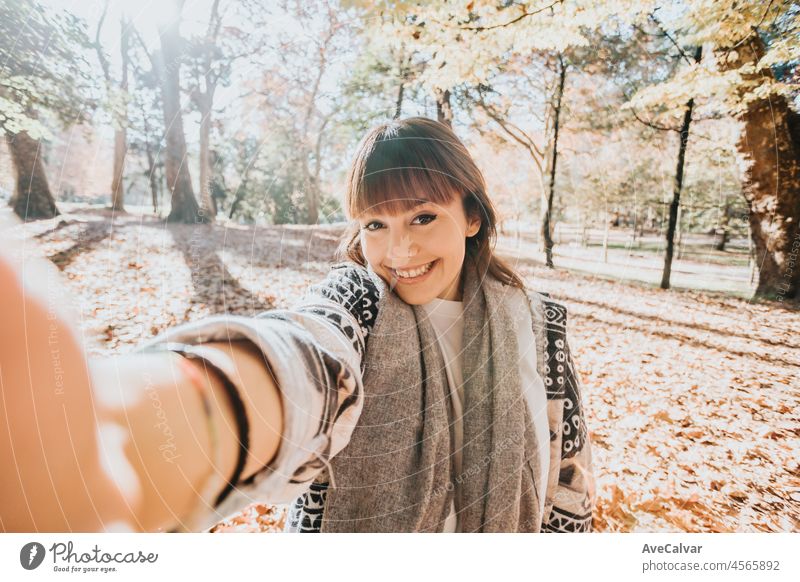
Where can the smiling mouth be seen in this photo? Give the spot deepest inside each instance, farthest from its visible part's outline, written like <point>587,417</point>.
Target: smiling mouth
<point>410,274</point>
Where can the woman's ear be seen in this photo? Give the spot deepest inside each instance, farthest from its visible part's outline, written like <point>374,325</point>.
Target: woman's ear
<point>473,226</point>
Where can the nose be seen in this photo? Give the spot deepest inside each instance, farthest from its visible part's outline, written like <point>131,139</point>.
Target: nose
<point>401,248</point>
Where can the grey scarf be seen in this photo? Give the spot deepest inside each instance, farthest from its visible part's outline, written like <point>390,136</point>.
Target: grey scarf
<point>396,473</point>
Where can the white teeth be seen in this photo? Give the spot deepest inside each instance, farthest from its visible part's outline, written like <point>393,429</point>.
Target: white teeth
<point>416,272</point>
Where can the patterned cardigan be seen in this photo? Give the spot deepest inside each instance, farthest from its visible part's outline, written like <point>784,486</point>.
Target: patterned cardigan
<point>327,333</point>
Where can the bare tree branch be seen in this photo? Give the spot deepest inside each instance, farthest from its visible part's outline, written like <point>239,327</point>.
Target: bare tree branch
<point>525,14</point>
<point>98,47</point>
<point>753,29</point>
<point>669,37</point>
<point>524,140</point>
<point>652,124</point>
<point>143,45</point>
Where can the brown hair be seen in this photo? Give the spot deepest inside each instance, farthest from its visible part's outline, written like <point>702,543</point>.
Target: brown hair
<point>396,161</point>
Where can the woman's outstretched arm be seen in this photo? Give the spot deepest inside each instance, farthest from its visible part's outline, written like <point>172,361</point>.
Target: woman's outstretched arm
<point>119,443</point>
<point>184,437</point>
<point>315,351</point>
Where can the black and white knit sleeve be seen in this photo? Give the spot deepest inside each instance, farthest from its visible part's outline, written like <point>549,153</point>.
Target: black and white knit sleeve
<point>315,351</point>
<point>570,497</point>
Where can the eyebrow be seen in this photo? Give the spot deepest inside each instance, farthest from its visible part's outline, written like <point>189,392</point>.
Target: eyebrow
<point>420,202</point>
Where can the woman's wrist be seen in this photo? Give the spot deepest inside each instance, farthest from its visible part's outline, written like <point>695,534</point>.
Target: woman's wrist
<point>232,373</point>
<point>244,366</point>
<point>217,420</point>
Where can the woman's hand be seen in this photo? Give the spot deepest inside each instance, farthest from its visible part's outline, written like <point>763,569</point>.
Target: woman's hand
<point>154,437</point>
<point>153,403</point>
<point>53,478</point>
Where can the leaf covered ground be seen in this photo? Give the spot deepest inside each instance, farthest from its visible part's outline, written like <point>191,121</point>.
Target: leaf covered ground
<point>693,398</point>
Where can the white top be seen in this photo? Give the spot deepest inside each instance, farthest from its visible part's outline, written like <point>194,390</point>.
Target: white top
<point>447,320</point>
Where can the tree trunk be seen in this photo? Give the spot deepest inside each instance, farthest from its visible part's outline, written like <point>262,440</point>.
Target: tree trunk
<point>120,118</point>
<point>772,185</point>
<point>208,205</point>
<point>310,185</point>
<point>152,178</point>
<point>398,107</point>
<point>547,210</point>
<point>444,111</point>
<point>721,239</point>
<point>403,76</point>
<point>32,197</point>
<point>674,206</point>
<point>184,205</point>
<point>241,191</point>
<point>121,132</point>
<point>236,200</point>
<point>723,232</point>
<point>117,183</point>
<point>313,206</point>
<point>205,102</point>
<point>683,140</point>
<point>312,193</point>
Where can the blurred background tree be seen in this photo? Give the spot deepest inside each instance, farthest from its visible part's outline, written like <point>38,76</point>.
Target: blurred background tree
<point>45,79</point>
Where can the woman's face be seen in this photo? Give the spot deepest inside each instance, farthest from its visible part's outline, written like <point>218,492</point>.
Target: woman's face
<point>419,253</point>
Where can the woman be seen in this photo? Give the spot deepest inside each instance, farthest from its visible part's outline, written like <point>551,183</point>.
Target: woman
<point>419,387</point>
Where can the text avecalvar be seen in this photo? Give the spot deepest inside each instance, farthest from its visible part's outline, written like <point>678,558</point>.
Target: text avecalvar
<point>671,549</point>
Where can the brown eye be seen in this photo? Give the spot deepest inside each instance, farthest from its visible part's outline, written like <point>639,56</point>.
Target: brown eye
<point>427,217</point>
<point>367,226</point>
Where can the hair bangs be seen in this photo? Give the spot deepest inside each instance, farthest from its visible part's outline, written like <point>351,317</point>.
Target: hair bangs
<point>400,172</point>
<point>398,190</point>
